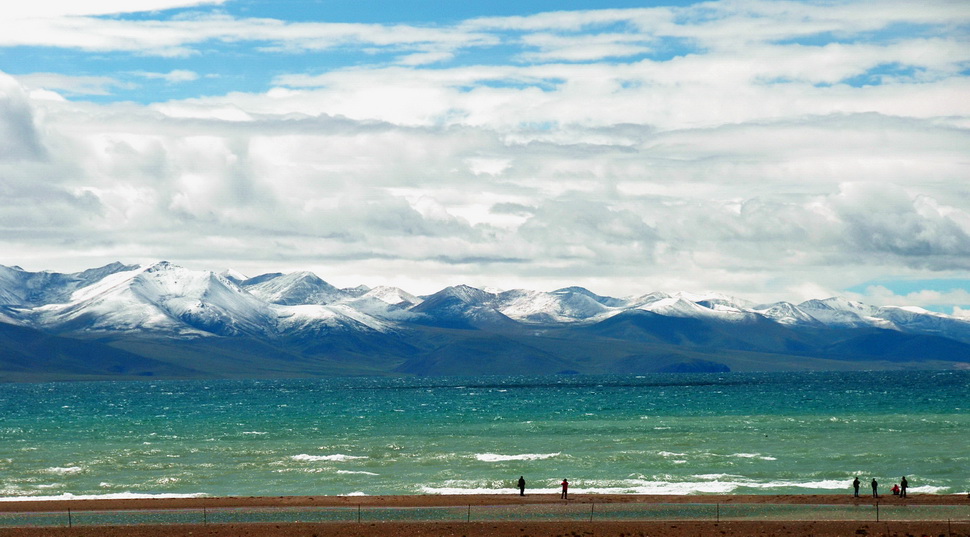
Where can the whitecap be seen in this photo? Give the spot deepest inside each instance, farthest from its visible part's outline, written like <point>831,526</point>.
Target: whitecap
<point>112,496</point>
<point>454,491</point>
<point>758,456</point>
<point>830,484</point>
<point>333,458</point>
<point>64,470</point>
<point>928,489</point>
<point>493,457</point>
<point>355,472</point>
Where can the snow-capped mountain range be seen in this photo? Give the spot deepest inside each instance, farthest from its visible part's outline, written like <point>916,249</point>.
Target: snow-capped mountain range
<point>164,300</point>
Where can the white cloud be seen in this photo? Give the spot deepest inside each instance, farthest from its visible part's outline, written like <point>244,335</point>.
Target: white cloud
<point>48,9</point>
<point>71,85</point>
<point>182,36</point>
<point>882,296</point>
<point>174,76</point>
<point>19,139</point>
<point>748,165</point>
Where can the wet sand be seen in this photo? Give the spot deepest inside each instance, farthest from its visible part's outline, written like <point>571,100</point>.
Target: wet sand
<point>956,528</point>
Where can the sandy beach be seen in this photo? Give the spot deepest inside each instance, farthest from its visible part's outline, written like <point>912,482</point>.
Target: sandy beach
<point>953,528</point>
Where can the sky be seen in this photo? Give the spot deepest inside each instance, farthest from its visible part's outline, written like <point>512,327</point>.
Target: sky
<point>768,150</point>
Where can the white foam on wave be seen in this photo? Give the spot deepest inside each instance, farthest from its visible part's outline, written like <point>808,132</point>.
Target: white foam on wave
<point>699,484</point>
<point>758,456</point>
<point>112,496</point>
<point>455,491</point>
<point>830,484</point>
<point>332,458</point>
<point>493,457</point>
<point>357,472</point>
<point>64,470</point>
<point>929,489</point>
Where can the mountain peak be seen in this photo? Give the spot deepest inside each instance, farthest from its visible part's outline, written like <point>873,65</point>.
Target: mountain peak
<point>295,288</point>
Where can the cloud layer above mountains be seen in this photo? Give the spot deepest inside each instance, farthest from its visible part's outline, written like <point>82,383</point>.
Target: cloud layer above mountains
<point>762,149</point>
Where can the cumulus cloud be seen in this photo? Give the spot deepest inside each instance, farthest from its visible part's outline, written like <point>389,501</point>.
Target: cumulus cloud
<point>750,160</point>
<point>19,139</point>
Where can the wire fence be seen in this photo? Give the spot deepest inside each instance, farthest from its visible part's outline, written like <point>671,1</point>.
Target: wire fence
<point>492,513</point>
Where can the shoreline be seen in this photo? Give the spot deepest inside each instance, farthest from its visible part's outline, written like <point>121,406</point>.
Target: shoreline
<point>432,500</point>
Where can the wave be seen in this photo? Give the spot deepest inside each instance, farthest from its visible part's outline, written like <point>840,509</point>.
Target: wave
<point>700,484</point>
<point>65,470</point>
<point>316,458</point>
<point>111,496</point>
<point>758,456</point>
<point>492,457</point>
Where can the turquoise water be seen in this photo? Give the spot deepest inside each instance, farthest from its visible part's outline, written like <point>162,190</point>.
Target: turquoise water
<point>724,433</point>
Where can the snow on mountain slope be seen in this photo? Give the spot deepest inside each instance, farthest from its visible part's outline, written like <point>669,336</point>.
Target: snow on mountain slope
<point>786,313</point>
<point>293,289</point>
<point>21,288</point>
<point>465,293</point>
<point>844,313</point>
<point>563,306</point>
<point>715,301</point>
<point>918,320</point>
<point>679,307</point>
<point>160,298</point>
<point>319,318</point>
<point>639,302</point>
<point>607,301</point>
<point>392,296</point>
<point>234,276</point>
<point>166,299</point>
<point>383,302</point>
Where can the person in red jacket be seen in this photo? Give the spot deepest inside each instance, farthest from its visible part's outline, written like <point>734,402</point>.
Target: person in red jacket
<point>565,489</point>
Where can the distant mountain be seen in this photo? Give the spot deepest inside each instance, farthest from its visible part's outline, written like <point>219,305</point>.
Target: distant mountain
<point>166,321</point>
<point>293,289</point>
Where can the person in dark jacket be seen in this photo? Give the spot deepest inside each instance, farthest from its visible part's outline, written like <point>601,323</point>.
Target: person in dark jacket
<point>855,485</point>
<point>875,487</point>
<point>903,485</point>
<point>521,485</point>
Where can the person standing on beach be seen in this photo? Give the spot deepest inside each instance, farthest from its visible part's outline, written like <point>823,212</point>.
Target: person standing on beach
<point>565,489</point>
<point>902,487</point>
<point>521,485</point>
<point>875,486</point>
<point>855,485</point>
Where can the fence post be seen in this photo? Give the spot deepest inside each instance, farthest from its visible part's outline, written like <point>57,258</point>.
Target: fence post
<point>70,523</point>
<point>877,511</point>
<point>591,506</point>
<point>718,513</point>
<point>205,517</point>
<point>358,513</point>
<point>468,517</point>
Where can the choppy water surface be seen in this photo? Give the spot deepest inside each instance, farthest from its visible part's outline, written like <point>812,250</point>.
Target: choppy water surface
<point>742,433</point>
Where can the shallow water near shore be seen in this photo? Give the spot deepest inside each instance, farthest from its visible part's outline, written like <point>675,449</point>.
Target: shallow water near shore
<point>779,433</point>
